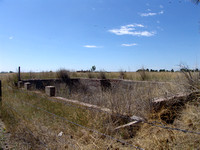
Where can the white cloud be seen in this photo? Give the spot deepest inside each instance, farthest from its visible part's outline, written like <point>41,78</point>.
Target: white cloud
<point>148,9</point>
<point>151,14</point>
<point>148,14</point>
<point>11,37</point>
<point>90,46</point>
<point>132,44</point>
<point>131,30</point>
<point>157,21</point>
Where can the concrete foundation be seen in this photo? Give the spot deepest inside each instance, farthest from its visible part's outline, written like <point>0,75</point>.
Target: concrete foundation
<point>20,84</point>
<point>27,86</point>
<point>50,90</point>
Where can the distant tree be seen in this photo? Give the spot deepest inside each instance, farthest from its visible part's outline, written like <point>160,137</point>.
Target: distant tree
<point>93,68</point>
<point>184,69</point>
<point>162,70</point>
<point>153,70</point>
<point>172,70</point>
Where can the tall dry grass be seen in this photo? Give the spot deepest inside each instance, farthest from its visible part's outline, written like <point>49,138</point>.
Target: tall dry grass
<point>46,128</point>
<point>133,101</point>
<point>150,76</point>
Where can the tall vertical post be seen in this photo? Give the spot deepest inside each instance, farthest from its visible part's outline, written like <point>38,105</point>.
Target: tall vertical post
<point>0,92</point>
<point>19,78</point>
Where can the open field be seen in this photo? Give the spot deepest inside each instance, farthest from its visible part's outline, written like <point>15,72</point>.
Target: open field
<point>39,122</point>
<point>136,76</point>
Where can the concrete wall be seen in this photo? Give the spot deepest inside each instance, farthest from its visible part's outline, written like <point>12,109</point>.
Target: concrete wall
<point>91,85</point>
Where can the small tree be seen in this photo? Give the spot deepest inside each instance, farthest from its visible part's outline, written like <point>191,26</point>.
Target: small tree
<point>93,68</point>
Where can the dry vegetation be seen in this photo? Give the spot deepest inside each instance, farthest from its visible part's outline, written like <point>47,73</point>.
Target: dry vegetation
<point>136,76</point>
<point>35,129</point>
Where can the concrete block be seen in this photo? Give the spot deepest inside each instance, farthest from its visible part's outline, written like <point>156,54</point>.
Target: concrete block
<point>20,84</point>
<point>27,86</point>
<point>50,90</point>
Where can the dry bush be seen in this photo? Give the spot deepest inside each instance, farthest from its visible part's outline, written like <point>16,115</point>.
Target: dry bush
<point>102,75</point>
<point>130,100</point>
<point>150,137</point>
<point>90,75</point>
<point>193,79</point>
<point>143,74</point>
<point>64,75</point>
<point>45,127</point>
<point>122,74</point>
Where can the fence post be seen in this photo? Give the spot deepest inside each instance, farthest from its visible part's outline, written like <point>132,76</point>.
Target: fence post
<point>0,92</point>
<point>0,99</point>
<point>19,78</point>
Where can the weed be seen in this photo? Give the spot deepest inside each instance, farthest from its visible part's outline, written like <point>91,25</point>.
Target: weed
<point>64,75</point>
<point>143,74</point>
<point>122,74</point>
<point>102,75</point>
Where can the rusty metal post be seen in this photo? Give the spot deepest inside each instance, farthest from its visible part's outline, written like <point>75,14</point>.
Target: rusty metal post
<point>19,78</point>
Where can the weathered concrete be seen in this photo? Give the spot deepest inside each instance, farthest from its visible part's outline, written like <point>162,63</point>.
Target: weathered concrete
<point>27,86</point>
<point>50,90</point>
<point>92,85</point>
<point>20,84</point>
<point>177,100</point>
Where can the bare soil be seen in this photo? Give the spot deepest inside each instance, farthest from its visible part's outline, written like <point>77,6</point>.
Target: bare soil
<point>5,138</point>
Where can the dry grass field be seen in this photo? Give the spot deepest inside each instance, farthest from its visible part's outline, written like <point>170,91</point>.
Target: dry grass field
<point>136,76</point>
<point>39,122</point>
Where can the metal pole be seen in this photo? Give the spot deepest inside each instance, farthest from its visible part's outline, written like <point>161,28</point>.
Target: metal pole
<point>19,78</point>
<point>0,92</point>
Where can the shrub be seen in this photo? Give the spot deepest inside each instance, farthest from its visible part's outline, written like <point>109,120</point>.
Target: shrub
<point>90,75</point>
<point>122,74</point>
<point>64,75</point>
<point>143,74</point>
<point>193,78</point>
<point>102,75</point>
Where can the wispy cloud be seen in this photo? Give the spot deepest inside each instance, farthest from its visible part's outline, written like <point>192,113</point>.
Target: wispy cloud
<point>92,46</point>
<point>161,12</point>
<point>130,29</point>
<point>161,6</point>
<point>151,14</point>
<point>159,28</point>
<point>128,45</point>
<point>11,37</point>
<point>148,14</point>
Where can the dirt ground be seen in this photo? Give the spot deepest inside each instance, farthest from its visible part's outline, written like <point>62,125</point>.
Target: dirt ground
<point>5,142</point>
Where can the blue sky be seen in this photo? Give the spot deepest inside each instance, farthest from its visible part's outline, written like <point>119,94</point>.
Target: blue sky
<point>43,35</point>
